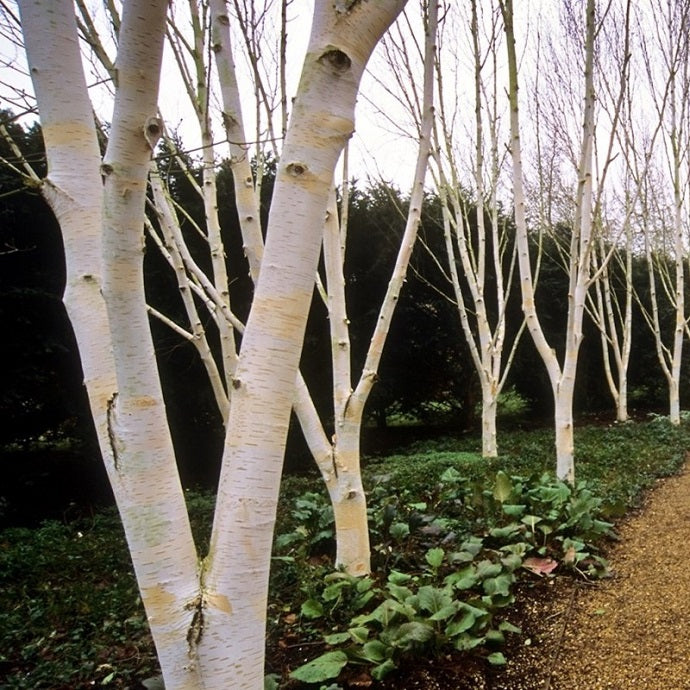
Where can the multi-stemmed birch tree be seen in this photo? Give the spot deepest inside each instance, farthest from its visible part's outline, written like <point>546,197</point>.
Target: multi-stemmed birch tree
<point>479,245</point>
<point>561,373</point>
<point>336,453</point>
<point>207,616</point>
<point>659,164</point>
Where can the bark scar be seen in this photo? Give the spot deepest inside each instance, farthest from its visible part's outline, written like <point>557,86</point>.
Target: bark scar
<point>196,627</point>
<point>110,418</point>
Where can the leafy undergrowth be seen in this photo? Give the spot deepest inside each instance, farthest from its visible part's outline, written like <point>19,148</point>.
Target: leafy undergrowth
<point>452,543</point>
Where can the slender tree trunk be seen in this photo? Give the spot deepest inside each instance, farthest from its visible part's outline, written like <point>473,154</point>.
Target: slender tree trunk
<point>146,481</point>
<point>562,377</point>
<point>489,412</point>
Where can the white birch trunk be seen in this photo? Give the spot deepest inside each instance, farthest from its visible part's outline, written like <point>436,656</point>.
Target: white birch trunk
<point>344,482</point>
<point>146,481</point>
<point>675,48</point>
<point>679,252</point>
<point>73,189</point>
<point>562,377</point>
<point>129,415</point>
<point>236,578</point>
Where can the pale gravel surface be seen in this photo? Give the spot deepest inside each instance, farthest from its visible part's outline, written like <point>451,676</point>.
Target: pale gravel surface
<point>630,631</point>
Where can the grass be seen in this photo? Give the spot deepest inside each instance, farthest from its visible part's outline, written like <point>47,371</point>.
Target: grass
<point>71,617</point>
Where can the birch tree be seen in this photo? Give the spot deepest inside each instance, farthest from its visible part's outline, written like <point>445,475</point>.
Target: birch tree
<point>610,305</point>
<point>480,255</point>
<point>561,374</point>
<point>338,457</point>
<point>662,167</point>
<point>207,616</point>
<point>339,469</point>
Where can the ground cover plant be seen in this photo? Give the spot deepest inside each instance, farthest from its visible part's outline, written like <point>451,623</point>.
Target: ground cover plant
<point>453,535</point>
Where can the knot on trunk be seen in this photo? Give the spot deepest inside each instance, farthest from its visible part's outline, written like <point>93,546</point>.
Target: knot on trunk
<point>336,60</point>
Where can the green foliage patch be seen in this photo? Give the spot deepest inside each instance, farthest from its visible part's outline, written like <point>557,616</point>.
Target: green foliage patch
<point>451,533</point>
<point>70,613</point>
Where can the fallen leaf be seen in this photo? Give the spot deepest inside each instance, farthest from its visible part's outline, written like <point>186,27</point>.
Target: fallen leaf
<point>540,566</point>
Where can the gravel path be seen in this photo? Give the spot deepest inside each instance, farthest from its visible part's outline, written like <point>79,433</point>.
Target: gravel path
<point>629,631</point>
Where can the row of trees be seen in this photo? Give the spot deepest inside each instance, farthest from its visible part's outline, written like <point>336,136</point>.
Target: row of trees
<point>585,191</point>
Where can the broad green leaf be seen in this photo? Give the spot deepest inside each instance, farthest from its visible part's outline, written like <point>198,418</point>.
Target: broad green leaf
<point>531,521</point>
<point>389,610</point>
<point>324,667</point>
<point>364,584</point>
<point>556,494</point>
<point>359,635</point>
<point>375,651</point>
<point>498,585</point>
<point>602,527</point>
<point>519,549</point>
<point>362,600</point>
<point>451,476</point>
<point>474,545</point>
<point>337,638</point>
<point>399,592</point>
<point>312,609</point>
<point>465,622</point>
<point>414,631</point>
<point>503,487</point>
<point>433,599</point>
<point>460,557</point>
<point>474,610</point>
<point>399,530</point>
<point>446,612</point>
<point>496,659</point>
<point>513,509</point>
<point>332,592</point>
<point>398,578</point>
<point>434,557</point>
<point>505,532</point>
<point>512,561</point>
<point>467,641</point>
<point>488,569</point>
<point>382,670</point>
<point>462,579</point>
<point>283,540</point>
